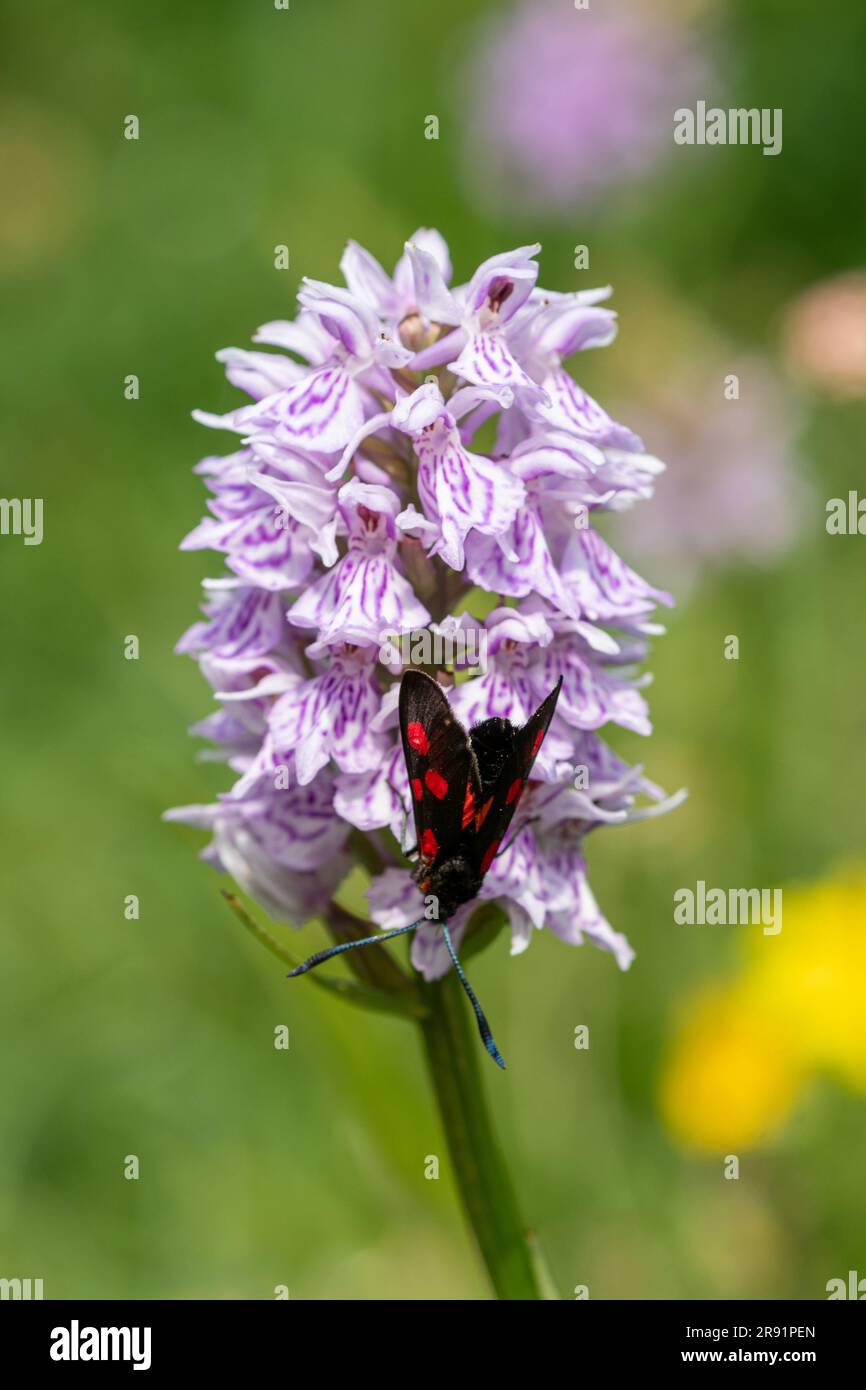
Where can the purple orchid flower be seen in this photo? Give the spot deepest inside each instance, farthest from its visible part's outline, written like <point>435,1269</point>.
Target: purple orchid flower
<point>364,595</point>
<point>395,299</point>
<point>483,312</point>
<point>359,506</point>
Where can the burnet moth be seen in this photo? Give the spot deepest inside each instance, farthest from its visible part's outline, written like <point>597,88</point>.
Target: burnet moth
<point>465,788</point>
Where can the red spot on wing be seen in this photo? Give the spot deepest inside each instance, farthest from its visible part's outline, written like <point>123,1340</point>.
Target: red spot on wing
<point>428,845</point>
<point>489,855</point>
<point>468,807</point>
<point>417,789</point>
<point>435,783</point>
<point>482,814</point>
<point>513,791</point>
<point>416,737</point>
<point>539,739</point>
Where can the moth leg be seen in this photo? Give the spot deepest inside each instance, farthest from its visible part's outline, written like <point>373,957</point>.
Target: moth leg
<point>403,850</point>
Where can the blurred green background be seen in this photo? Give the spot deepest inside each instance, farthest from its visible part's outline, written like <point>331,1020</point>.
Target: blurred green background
<point>155,1037</point>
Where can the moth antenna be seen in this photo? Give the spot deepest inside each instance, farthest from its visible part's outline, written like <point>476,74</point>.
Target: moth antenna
<point>483,1025</point>
<point>322,956</point>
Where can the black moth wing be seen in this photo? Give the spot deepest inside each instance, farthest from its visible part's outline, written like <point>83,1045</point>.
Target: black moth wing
<point>494,816</point>
<point>440,764</point>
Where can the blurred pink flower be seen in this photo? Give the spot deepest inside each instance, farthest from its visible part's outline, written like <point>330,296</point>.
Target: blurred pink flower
<point>565,104</point>
<point>824,335</point>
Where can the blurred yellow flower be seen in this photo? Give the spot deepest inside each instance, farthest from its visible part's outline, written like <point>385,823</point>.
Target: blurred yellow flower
<point>744,1050</point>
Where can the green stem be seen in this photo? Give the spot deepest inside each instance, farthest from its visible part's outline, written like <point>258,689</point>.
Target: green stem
<point>454,1057</point>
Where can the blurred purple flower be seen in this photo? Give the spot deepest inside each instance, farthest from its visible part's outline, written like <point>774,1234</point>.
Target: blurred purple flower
<point>323,570</point>
<point>735,496</point>
<point>565,105</point>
